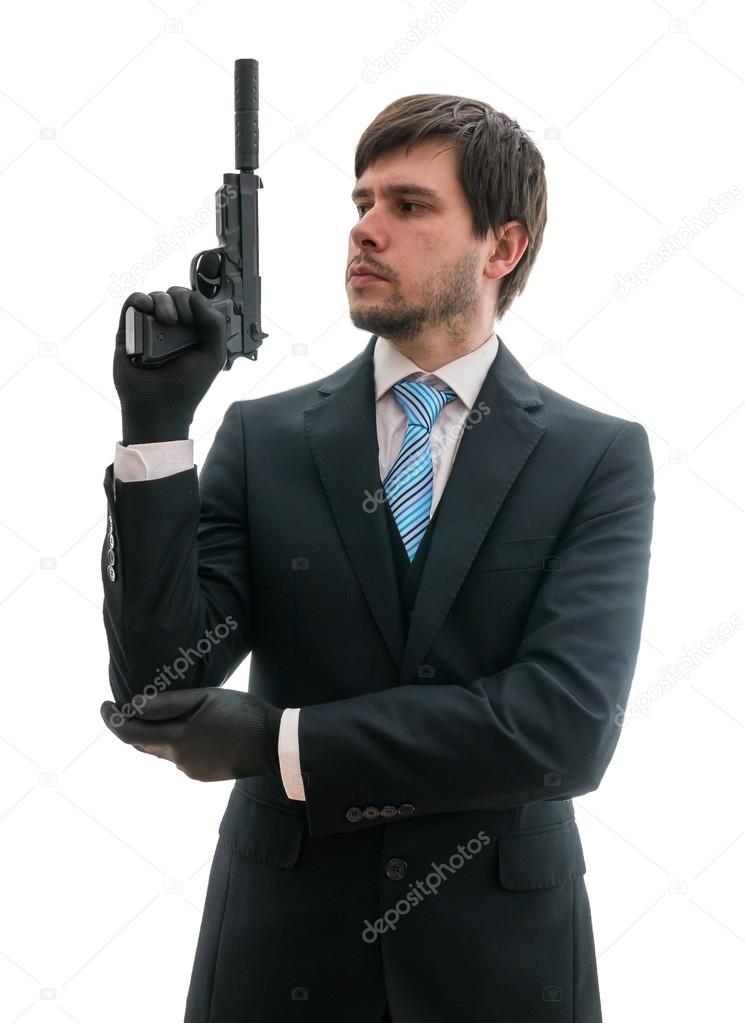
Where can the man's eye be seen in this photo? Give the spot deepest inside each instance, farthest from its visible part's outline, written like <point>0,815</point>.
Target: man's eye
<point>404,202</point>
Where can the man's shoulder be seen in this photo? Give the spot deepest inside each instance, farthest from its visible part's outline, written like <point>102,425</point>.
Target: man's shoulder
<point>280,410</point>
<point>291,397</point>
<point>566,418</point>
<point>582,436</point>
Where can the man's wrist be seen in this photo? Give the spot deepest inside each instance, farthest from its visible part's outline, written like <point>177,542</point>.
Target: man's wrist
<point>153,433</point>
<point>140,438</point>
<point>274,717</point>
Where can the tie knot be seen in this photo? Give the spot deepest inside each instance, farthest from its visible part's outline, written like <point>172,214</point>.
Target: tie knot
<point>422,403</point>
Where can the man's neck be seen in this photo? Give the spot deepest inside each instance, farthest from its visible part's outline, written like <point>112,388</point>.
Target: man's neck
<point>431,355</point>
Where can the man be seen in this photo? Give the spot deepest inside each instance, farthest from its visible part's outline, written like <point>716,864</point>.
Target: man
<point>439,567</point>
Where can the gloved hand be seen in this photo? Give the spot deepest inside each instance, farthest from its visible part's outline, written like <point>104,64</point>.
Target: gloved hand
<point>210,734</point>
<point>158,402</point>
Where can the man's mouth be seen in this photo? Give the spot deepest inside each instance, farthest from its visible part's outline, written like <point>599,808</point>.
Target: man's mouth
<point>366,279</point>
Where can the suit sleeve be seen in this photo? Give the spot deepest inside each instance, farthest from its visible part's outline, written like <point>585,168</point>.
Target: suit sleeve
<point>176,573</point>
<point>544,727</point>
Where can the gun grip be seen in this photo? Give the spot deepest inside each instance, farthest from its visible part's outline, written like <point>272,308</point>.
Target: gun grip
<point>149,343</point>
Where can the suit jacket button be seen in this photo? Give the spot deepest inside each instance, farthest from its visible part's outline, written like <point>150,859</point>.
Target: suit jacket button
<point>371,813</point>
<point>406,809</point>
<point>388,812</point>
<point>111,539</point>
<point>396,868</point>
<point>111,573</point>
<point>354,814</point>
<point>110,557</point>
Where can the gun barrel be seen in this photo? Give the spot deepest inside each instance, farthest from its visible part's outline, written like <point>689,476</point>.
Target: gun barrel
<point>246,80</point>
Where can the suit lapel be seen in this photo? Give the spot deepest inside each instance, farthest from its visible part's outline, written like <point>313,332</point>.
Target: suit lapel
<point>342,433</point>
<point>493,450</point>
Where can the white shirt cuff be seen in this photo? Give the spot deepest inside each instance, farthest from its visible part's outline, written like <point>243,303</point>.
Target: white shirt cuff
<point>289,753</point>
<point>137,462</point>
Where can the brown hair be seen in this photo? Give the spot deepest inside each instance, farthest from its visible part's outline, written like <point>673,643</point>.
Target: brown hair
<point>500,168</point>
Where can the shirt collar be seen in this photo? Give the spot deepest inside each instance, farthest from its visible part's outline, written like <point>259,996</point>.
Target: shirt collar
<point>464,375</point>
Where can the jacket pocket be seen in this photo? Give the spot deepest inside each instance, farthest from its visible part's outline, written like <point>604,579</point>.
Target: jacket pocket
<point>269,834</point>
<point>508,555</point>
<point>541,857</point>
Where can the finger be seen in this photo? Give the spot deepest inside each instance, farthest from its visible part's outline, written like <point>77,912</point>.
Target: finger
<point>212,328</point>
<point>148,733</point>
<point>165,308</point>
<point>142,302</point>
<point>155,750</point>
<point>205,314</point>
<point>119,723</point>
<point>176,705</point>
<point>113,718</point>
<point>181,297</point>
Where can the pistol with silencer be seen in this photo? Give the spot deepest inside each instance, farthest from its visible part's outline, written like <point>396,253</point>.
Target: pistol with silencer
<point>228,276</point>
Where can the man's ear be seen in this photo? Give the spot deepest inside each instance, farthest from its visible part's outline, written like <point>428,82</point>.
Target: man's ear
<point>508,247</point>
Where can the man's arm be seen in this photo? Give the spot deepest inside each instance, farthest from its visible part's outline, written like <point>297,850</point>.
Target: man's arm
<point>177,611</point>
<point>138,462</point>
<point>546,726</point>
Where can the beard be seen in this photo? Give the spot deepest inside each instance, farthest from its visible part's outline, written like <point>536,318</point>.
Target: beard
<point>451,297</point>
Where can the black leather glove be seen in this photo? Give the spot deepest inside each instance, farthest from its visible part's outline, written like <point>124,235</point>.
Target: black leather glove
<point>158,402</point>
<point>210,734</point>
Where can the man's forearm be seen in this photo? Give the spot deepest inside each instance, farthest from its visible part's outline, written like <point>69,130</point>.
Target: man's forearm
<point>176,610</point>
<point>544,727</point>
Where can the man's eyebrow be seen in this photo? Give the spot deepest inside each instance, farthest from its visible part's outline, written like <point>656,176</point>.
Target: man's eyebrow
<point>399,189</point>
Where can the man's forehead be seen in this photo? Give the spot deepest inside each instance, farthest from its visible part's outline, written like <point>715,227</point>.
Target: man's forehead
<point>428,171</point>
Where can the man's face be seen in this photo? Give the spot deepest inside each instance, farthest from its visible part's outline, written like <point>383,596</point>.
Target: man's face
<point>421,244</point>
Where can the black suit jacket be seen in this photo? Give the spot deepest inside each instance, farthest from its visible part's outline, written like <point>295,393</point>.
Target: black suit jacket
<point>437,861</point>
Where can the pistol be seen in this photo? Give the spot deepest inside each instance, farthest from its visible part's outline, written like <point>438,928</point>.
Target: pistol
<point>227,276</point>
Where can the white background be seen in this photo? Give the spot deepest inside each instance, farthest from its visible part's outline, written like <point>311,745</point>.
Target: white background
<point>117,125</point>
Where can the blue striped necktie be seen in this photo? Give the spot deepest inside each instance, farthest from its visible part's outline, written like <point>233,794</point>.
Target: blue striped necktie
<point>408,483</point>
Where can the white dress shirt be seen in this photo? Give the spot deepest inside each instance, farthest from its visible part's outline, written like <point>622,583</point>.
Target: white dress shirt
<point>465,376</point>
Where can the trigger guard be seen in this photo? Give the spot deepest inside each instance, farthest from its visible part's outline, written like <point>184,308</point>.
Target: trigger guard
<point>208,286</point>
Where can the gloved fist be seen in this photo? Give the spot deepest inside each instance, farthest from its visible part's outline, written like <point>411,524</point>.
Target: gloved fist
<point>158,402</point>
<point>210,734</point>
